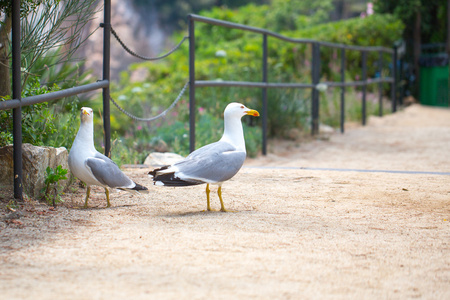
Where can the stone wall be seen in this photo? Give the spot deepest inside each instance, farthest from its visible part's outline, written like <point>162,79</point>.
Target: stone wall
<point>35,161</point>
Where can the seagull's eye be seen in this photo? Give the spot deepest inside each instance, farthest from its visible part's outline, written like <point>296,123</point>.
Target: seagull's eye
<point>242,106</point>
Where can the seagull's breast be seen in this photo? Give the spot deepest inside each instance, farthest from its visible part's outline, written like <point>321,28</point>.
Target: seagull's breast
<point>79,168</point>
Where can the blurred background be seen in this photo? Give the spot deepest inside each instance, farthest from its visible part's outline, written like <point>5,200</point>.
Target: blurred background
<point>62,46</point>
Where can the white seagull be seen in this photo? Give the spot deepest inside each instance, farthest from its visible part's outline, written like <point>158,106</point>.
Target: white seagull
<point>213,163</point>
<point>94,168</point>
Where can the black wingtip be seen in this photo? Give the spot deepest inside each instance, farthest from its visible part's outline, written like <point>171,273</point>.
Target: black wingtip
<point>169,179</point>
<point>139,187</point>
<point>155,171</point>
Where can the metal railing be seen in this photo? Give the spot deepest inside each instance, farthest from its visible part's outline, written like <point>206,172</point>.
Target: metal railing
<point>16,103</point>
<point>315,74</point>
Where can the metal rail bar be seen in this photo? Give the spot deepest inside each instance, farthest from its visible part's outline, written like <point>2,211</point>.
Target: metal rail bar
<point>264,95</point>
<point>16,94</point>
<point>282,37</point>
<point>315,78</point>
<point>364,87</point>
<point>380,85</point>
<point>214,83</point>
<point>358,83</point>
<point>251,84</point>
<point>15,103</point>
<point>107,75</point>
<point>394,82</point>
<point>315,74</point>
<point>342,90</point>
<point>192,84</point>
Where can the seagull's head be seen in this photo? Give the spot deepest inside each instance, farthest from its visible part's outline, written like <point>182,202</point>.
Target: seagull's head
<point>239,110</point>
<point>87,114</point>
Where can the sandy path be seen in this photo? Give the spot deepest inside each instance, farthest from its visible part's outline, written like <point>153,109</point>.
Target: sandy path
<point>296,233</point>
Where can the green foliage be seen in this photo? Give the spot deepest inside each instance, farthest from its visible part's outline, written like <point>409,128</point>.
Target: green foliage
<point>221,54</point>
<point>26,6</point>
<point>12,205</point>
<point>51,31</point>
<point>66,74</point>
<point>230,54</point>
<point>330,102</point>
<point>51,182</point>
<point>172,13</point>
<point>51,124</point>
<point>55,25</point>
<point>433,20</point>
<point>44,123</point>
<point>49,25</point>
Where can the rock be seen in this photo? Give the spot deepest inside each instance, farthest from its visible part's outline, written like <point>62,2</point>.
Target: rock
<point>35,161</point>
<point>326,129</point>
<point>139,31</point>
<point>294,134</point>
<point>158,159</point>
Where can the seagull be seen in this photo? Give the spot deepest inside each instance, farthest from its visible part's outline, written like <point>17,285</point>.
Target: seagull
<point>214,163</point>
<point>94,168</point>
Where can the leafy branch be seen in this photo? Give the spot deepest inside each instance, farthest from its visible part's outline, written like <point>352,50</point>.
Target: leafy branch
<point>51,182</point>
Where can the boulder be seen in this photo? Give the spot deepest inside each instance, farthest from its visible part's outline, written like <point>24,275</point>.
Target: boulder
<point>35,161</point>
<point>158,159</point>
<point>326,129</point>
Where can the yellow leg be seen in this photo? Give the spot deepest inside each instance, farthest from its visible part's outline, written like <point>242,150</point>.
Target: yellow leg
<point>107,197</point>
<point>208,204</point>
<point>88,192</point>
<point>219,192</point>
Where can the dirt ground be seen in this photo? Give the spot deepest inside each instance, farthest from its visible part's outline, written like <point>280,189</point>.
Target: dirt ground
<point>363,215</point>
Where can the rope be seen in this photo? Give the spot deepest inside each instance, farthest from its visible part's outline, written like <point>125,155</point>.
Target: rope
<point>156,117</point>
<point>143,57</point>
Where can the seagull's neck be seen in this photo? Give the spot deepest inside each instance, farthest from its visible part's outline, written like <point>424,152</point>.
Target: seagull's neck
<point>233,133</point>
<point>85,136</point>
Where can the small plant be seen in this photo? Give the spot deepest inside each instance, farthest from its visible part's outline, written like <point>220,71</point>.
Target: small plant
<point>53,177</point>
<point>12,205</point>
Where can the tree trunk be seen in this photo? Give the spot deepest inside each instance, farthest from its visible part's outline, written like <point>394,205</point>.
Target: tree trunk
<point>5,81</point>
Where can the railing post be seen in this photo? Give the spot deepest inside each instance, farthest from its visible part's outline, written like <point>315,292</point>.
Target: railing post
<point>106,75</point>
<point>191,84</point>
<point>380,85</point>
<point>315,92</point>
<point>400,87</point>
<point>16,94</point>
<point>394,82</point>
<point>342,89</point>
<point>264,96</point>
<point>364,87</point>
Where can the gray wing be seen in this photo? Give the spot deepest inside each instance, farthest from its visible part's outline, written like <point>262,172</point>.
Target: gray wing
<point>215,162</point>
<point>108,173</point>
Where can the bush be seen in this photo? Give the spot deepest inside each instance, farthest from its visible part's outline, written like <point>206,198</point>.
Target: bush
<point>49,123</point>
<point>230,54</point>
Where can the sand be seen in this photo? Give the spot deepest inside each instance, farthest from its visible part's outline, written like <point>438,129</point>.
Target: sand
<point>363,215</point>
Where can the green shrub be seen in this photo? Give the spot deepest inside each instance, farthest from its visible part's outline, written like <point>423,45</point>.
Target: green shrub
<point>43,123</point>
<point>52,187</point>
<point>49,123</point>
<point>230,54</point>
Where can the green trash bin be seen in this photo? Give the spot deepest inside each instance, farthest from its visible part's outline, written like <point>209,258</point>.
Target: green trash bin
<point>434,77</point>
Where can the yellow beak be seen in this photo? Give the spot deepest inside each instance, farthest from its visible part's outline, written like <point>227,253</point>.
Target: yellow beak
<point>84,112</point>
<point>252,112</point>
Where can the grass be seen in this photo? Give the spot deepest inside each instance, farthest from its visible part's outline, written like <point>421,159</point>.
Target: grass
<point>330,106</point>
<point>288,109</point>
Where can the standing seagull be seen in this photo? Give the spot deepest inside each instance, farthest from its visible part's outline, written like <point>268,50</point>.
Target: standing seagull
<point>213,163</point>
<point>94,168</point>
